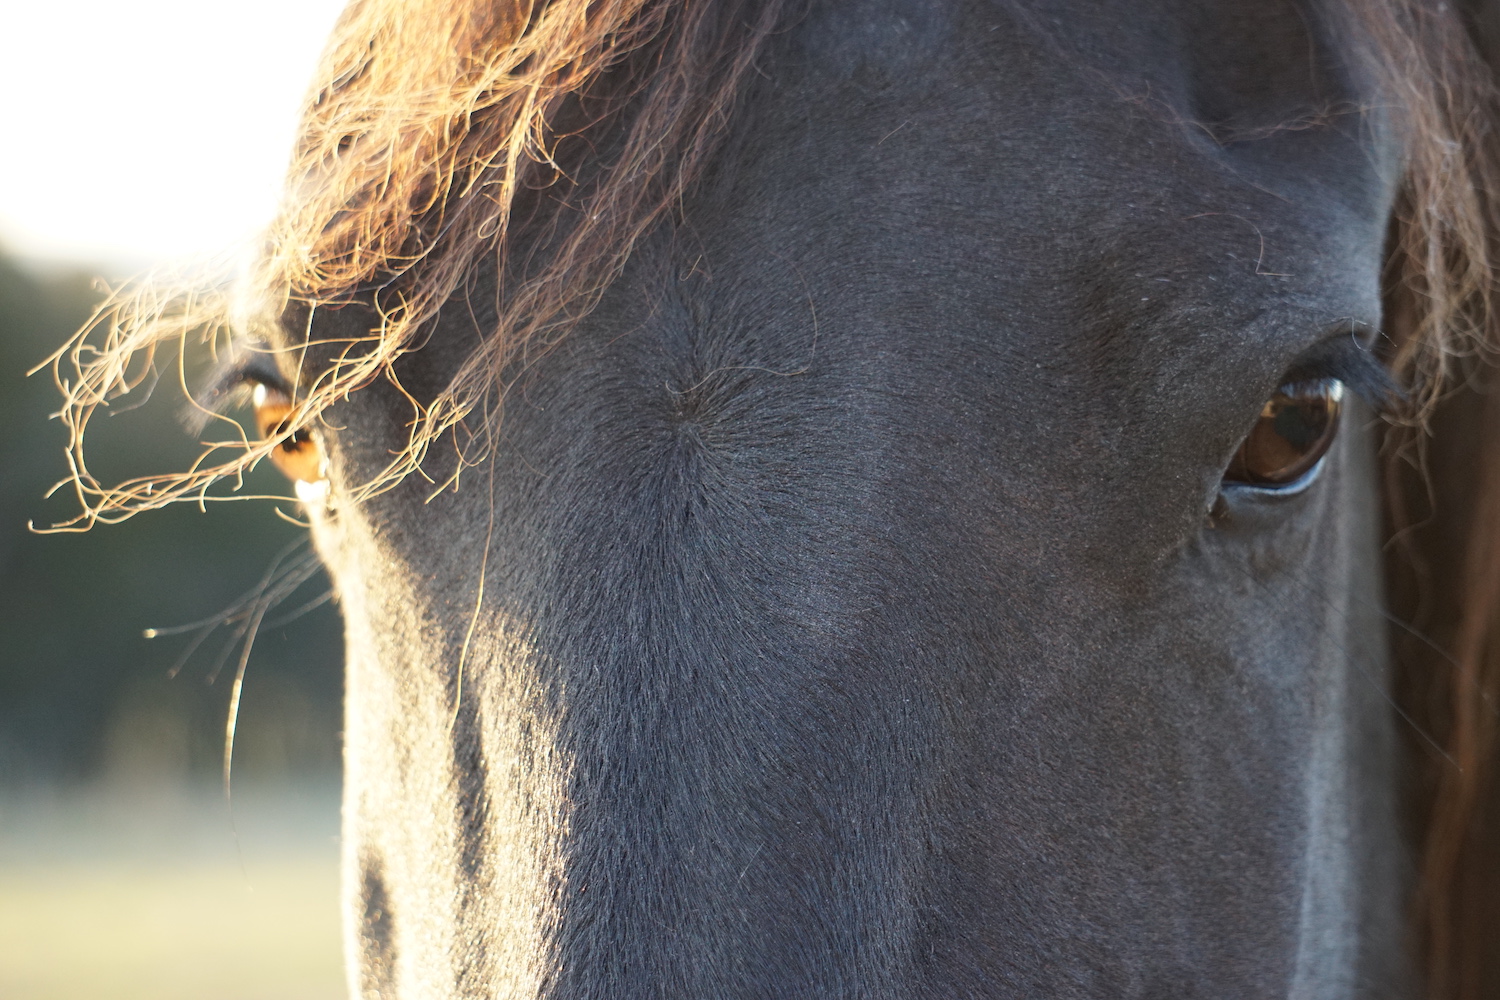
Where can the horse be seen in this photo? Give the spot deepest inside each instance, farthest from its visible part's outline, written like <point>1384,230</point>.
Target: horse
<point>889,498</point>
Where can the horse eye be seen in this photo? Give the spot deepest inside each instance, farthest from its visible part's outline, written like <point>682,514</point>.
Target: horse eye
<point>297,455</point>
<point>1295,429</point>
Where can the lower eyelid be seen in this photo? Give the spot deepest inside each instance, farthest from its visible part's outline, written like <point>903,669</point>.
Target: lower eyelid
<point>1291,489</point>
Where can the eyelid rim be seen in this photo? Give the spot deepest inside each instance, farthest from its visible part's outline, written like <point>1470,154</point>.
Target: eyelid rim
<point>1343,357</point>
<point>1271,494</point>
<point>226,382</point>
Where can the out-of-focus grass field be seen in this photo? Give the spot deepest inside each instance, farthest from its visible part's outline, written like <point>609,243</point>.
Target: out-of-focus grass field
<point>121,874</point>
<point>163,932</point>
<point>150,894</point>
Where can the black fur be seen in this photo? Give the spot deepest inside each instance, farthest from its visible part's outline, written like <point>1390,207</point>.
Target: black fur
<point>853,623</point>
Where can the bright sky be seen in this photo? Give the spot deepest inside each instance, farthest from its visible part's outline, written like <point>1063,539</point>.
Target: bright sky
<point>137,131</point>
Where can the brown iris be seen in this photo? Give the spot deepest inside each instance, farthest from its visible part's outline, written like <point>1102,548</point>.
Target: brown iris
<point>1295,428</point>
<point>297,455</point>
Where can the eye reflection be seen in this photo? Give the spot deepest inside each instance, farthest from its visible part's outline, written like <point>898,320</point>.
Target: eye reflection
<point>1296,427</point>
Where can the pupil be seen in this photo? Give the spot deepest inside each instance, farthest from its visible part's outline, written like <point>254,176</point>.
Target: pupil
<point>1301,421</point>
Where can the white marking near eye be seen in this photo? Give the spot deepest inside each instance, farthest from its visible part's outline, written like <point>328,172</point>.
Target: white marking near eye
<point>314,494</point>
<point>258,397</point>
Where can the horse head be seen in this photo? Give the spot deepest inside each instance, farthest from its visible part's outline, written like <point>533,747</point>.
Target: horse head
<point>878,499</point>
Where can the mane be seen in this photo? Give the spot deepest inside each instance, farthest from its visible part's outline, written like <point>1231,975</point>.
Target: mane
<point>1442,481</point>
<point>439,132</point>
<point>434,132</point>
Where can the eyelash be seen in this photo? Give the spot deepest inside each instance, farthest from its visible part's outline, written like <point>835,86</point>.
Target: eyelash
<point>1358,368</point>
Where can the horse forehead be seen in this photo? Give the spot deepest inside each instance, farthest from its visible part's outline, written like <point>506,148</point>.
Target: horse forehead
<point>1015,248</point>
<point>1051,155</point>
<point>1052,106</point>
<point>1223,56</point>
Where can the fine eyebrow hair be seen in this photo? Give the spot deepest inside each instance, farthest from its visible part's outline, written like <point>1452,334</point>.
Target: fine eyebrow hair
<point>1345,357</point>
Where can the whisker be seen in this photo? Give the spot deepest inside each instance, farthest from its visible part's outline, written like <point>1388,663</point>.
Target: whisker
<point>187,653</point>
<point>245,616</point>
<point>238,607</point>
<point>234,640</point>
<point>249,620</point>
<point>236,689</point>
<point>312,605</point>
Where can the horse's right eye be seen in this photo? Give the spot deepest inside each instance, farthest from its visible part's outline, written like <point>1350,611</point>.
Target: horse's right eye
<point>1296,427</point>
<point>297,455</point>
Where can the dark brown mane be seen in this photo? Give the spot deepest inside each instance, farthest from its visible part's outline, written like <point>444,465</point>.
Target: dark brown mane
<point>1442,482</point>
<point>438,129</point>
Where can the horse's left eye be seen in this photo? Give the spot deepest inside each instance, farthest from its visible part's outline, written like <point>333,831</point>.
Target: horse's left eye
<point>1295,429</point>
<point>298,454</point>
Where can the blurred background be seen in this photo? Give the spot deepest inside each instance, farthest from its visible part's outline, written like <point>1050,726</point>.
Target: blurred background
<point>141,134</point>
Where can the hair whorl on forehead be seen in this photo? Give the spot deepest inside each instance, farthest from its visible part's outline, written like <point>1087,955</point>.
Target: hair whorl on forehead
<point>431,121</point>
